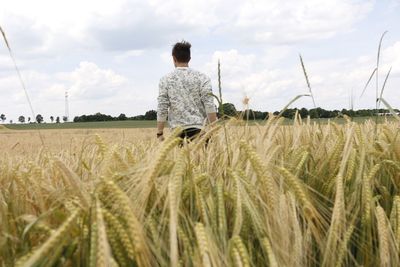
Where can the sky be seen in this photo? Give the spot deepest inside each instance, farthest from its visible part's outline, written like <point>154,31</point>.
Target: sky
<point>110,55</point>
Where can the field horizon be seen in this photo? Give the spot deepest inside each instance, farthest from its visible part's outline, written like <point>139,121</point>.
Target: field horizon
<point>152,123</point>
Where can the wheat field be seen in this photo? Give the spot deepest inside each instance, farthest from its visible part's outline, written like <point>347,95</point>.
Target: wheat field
<point>270,195</point>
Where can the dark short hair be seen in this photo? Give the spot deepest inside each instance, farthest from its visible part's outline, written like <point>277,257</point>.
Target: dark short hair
<point>181,51</point>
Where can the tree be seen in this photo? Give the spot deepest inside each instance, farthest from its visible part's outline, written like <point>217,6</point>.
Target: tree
<point>150,115</point>
<point>3,117</point>
<point>65,118</point>
<point>21,119</point>
<point>289,113</point>
<point>122,117</point>
<point>58,119</point>
<point>228,109</point>
<point>95,117</point>
<point>51,118</point>
<point>39,118</point>
<point>314,113</point>
<point>248,114</point>
<point>138,118</point>
<point>259,115</point>
<point>303,112</point>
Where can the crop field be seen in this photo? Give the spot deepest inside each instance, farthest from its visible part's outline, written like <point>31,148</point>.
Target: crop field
<point>84,125</point>
<point>304,194</point>
<point>29,143</point>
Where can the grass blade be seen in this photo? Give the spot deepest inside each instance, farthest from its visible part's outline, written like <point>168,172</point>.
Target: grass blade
<point>384,84</point>
<point>21,80</point>
<point>307,80</point>
<point>389,107</point>
<point>291,102</point>
<point>369,80</point>
<point>377,66</point>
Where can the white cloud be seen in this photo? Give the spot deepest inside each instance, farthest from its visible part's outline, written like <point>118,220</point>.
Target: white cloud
<point>332,81</point>
<point>91,89</point>
<point>293,21</point>
<point>88,81</point>
<point>394,3</point>
<point>391,58</point>
<point>5,63</point>
<point>196,13</point>
<point>45,26</point>
<point>128,54</point>
<point>272,21</point>
<point>166,57</point>
<point>236,62</point>
<point>241,76</point>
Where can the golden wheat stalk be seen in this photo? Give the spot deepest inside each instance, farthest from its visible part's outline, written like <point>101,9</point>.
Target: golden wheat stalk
<point>54,241</point>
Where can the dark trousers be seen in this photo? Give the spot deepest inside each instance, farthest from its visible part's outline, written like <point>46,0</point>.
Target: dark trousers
<point>190,133</point>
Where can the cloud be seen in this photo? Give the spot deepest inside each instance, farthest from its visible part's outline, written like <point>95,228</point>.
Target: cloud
<point>236,63</point>
<point>391,58</point>
<point>273,21</point>
<point>5,63</point>
<point>90,88</point>
<point>89,82</point>
<point>242,76</point>
<point>128,55</point>
<point>394,3</point>
<point>293,21</point>
<point>333,81</point>
<point>47,26</point>
<point>204,14</point>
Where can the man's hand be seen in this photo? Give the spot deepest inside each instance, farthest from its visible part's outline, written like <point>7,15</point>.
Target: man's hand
<point>161,138</point>
<point>160,130</point>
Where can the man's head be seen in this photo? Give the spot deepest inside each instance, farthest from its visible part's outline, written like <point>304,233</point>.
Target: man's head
<point>181,53</point>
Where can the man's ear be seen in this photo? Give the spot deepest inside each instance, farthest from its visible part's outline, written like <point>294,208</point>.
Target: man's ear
<point>174,58</point>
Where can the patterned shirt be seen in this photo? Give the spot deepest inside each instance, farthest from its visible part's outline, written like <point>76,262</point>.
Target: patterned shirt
<point>184,97</point>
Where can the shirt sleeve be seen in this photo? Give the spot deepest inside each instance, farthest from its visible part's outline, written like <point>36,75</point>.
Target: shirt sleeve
<point>206,96</point>
<point>163,102</point>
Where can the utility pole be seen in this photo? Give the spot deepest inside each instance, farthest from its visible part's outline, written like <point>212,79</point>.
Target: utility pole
<point>66,106</point>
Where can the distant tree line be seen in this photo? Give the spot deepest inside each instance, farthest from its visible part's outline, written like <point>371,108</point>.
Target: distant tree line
<point>38,119</point>
<point>149,115</point>
<point>229,110</point>
<point>322,113</point>
<point>314,113</point>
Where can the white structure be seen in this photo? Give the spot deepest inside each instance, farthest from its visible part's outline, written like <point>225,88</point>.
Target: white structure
<point>66,106</point>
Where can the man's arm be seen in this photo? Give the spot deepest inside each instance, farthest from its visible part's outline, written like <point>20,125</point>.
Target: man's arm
<point>162,108</point>
<point>212,117</point>
<point>160,127</point>
<point>208,100</point>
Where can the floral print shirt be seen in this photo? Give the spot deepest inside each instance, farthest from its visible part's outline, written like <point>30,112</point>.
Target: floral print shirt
<point>185,98</point>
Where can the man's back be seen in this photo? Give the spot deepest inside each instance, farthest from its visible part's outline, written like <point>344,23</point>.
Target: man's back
<point>187,95</point>
<point>184,96</point>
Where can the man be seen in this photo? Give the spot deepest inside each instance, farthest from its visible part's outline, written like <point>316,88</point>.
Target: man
<point>184,96</point>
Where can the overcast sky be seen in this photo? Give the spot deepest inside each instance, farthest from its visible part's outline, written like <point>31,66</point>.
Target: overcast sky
<point>110,55</point>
